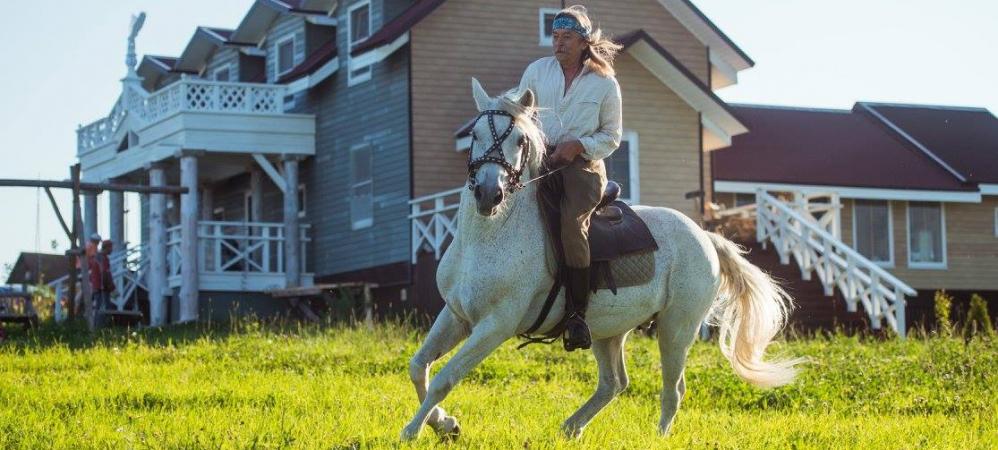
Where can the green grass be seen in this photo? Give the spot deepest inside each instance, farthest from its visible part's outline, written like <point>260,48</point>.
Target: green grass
<point>339,387</point>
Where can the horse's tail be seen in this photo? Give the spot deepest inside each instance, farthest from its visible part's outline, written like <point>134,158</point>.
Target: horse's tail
<point>751,308</point>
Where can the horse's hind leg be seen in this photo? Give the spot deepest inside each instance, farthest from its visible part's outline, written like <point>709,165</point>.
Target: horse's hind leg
<point>446,333</point>
<point>675,336</point>
<point>612,381</point>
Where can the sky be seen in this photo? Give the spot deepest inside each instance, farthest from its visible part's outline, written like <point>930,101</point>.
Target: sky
<point>63,62</point>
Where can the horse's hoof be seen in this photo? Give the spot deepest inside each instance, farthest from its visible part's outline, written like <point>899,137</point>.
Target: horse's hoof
<point>448,428</point>
<point>410,432</point>
<point>571,431</point>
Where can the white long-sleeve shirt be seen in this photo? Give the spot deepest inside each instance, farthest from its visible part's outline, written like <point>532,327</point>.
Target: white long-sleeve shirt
<point>590,111</point>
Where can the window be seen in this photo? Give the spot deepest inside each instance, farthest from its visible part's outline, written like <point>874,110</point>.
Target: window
<point>359,29</point>
<point>361,189</point>
<point>284,53</point>
<point>622,167</point>
<point>248,207</point>
<point>744,199</point>
<point>545,18</point>
<point>926,235</point>
<point>872,230</point>
<point>301,200</point>
<point>222,74</point>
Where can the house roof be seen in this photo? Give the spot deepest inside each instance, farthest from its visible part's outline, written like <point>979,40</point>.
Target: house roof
<point>29,265</point>
<point>254,25</point>
<point>397,26</point>
<point>312,62</point>
<point>963,140</point>
<point>826,147</point>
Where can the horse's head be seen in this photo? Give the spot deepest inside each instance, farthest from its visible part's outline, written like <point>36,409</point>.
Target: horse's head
<point>505,145</point>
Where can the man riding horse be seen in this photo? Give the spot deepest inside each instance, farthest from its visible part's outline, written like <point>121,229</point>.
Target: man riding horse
<point>578,99</point>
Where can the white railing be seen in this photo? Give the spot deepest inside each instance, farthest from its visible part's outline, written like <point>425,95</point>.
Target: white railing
<point>185,95</point>
<point>128,270</point>
<point>250,247</point>
<point>817,250</point>
<point>434,219</point>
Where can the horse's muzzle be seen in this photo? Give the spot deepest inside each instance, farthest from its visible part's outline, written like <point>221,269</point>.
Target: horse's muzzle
<point>488,196</point>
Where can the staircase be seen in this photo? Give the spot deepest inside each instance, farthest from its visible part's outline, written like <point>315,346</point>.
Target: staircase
<point>807,231</point>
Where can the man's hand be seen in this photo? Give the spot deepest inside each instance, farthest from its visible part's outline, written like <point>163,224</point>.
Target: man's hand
<point>565,153</point>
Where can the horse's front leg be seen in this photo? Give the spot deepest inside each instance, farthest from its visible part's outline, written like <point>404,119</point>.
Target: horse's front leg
<point>446,333</point>
<point>484,339</point>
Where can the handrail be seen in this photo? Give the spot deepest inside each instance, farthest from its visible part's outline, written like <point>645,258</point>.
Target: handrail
<point>432,226</point>
<point>839,245</point>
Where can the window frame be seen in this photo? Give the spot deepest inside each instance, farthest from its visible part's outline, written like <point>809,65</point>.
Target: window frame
<point>942,239</point>
<point>365,75</point>
<point>248,207</point>
<point>996,221</point>
<point>368,222</point>
<point>277,54</point>
<point>302,199</point>
<point>633,166</point>
<point>225,67</point>
<point>544,40</point>
<point>889,263</point>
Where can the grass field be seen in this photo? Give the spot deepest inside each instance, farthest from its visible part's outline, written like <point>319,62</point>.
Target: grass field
<point>247,386</point>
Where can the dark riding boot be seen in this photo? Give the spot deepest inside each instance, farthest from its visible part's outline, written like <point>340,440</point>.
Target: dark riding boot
<point>577,299</point>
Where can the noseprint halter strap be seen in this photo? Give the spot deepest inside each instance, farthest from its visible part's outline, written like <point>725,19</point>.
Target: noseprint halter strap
<point>494,153</point>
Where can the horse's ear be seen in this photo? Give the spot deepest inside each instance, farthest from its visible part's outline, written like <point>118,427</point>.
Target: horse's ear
<point>526,99</point>
<point>482,99</point>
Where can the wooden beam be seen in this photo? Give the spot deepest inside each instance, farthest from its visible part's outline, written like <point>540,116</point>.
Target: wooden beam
<point>58,214</point>
<point>272,172</point>
<point>94,187</point>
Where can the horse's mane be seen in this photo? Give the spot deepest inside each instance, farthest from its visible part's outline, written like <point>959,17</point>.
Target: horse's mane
<point>526,121</point>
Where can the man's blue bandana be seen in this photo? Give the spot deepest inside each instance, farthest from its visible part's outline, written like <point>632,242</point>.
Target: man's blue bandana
<point>569,23</point>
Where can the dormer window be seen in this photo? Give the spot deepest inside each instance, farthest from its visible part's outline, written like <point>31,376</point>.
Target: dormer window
<point>222,74</point>
<point>545,18</point>
<point>285,55</point>
<point>359,29</point>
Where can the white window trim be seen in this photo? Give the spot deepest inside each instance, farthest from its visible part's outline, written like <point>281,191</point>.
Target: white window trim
<point>248,207</point>
<point>942,240</point>
<point>368,222</point>
<point>634,166</point>
<point>889,264</point>
<point>277,55</point>
<point>544,41</point>
<point>304,200</point>
<point>353,80</point>
<point>228,67</point>
<point>350,11</point>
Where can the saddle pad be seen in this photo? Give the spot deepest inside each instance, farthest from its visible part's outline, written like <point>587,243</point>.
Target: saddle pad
<point>631,270</point>
<point>613,239</point>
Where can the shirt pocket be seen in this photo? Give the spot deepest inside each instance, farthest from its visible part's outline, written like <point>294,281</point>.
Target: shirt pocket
<point>584,116</point>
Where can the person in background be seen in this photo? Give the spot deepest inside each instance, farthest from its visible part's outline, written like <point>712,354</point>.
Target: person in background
<point>101,281</point>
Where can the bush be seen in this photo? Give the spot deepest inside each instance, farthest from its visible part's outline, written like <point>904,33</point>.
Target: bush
<point>978,319</point>
<point>943,305</point>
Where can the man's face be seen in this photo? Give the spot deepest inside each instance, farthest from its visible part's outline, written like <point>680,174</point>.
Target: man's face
<point>568,46</point>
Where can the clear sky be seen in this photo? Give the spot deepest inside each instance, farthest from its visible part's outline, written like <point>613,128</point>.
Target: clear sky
<point>63,60</point>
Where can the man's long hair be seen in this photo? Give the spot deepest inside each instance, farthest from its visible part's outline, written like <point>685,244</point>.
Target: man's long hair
<point>599,56</point>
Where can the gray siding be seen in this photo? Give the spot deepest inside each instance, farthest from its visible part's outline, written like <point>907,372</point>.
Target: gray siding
<point>220,58</point>
<point>375,112</point>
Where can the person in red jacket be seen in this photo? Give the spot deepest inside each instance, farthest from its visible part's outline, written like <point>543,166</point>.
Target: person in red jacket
<point>101,281</point>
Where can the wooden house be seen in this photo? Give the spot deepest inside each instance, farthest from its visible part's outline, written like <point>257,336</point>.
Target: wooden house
<point>322,140</point>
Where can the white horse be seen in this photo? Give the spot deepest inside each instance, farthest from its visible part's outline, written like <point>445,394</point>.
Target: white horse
<point>496,274</point>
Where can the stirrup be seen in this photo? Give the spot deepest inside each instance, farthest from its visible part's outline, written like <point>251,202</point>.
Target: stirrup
<point>576,334</point>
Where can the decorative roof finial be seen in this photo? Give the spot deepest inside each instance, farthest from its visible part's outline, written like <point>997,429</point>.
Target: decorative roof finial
<point>136,25</point>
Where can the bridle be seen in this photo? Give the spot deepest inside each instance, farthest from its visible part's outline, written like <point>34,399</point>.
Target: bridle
<point>494,153</point>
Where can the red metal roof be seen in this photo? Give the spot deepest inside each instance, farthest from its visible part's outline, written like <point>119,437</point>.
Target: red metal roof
<point>320,56</point>
<point>966,139</point>
<point>826,148</point>
<point>397,26</point>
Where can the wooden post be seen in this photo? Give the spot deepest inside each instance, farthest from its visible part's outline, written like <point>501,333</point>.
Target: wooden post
<point>189,286</point>
<point>368,307</point>
<point>292,249</point>
<point>89,214</point>
<point>74,248</point>
<point>157,249</point>
<point>116,209</point>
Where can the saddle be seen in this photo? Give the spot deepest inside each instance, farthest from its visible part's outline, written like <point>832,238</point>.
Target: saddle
<point>620,244</point>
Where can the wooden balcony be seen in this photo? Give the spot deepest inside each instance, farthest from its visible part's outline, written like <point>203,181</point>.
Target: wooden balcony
<point>192,114</point>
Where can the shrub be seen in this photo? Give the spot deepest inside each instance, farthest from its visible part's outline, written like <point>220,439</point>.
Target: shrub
<point>943,304</point>
<point>978,320</point>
